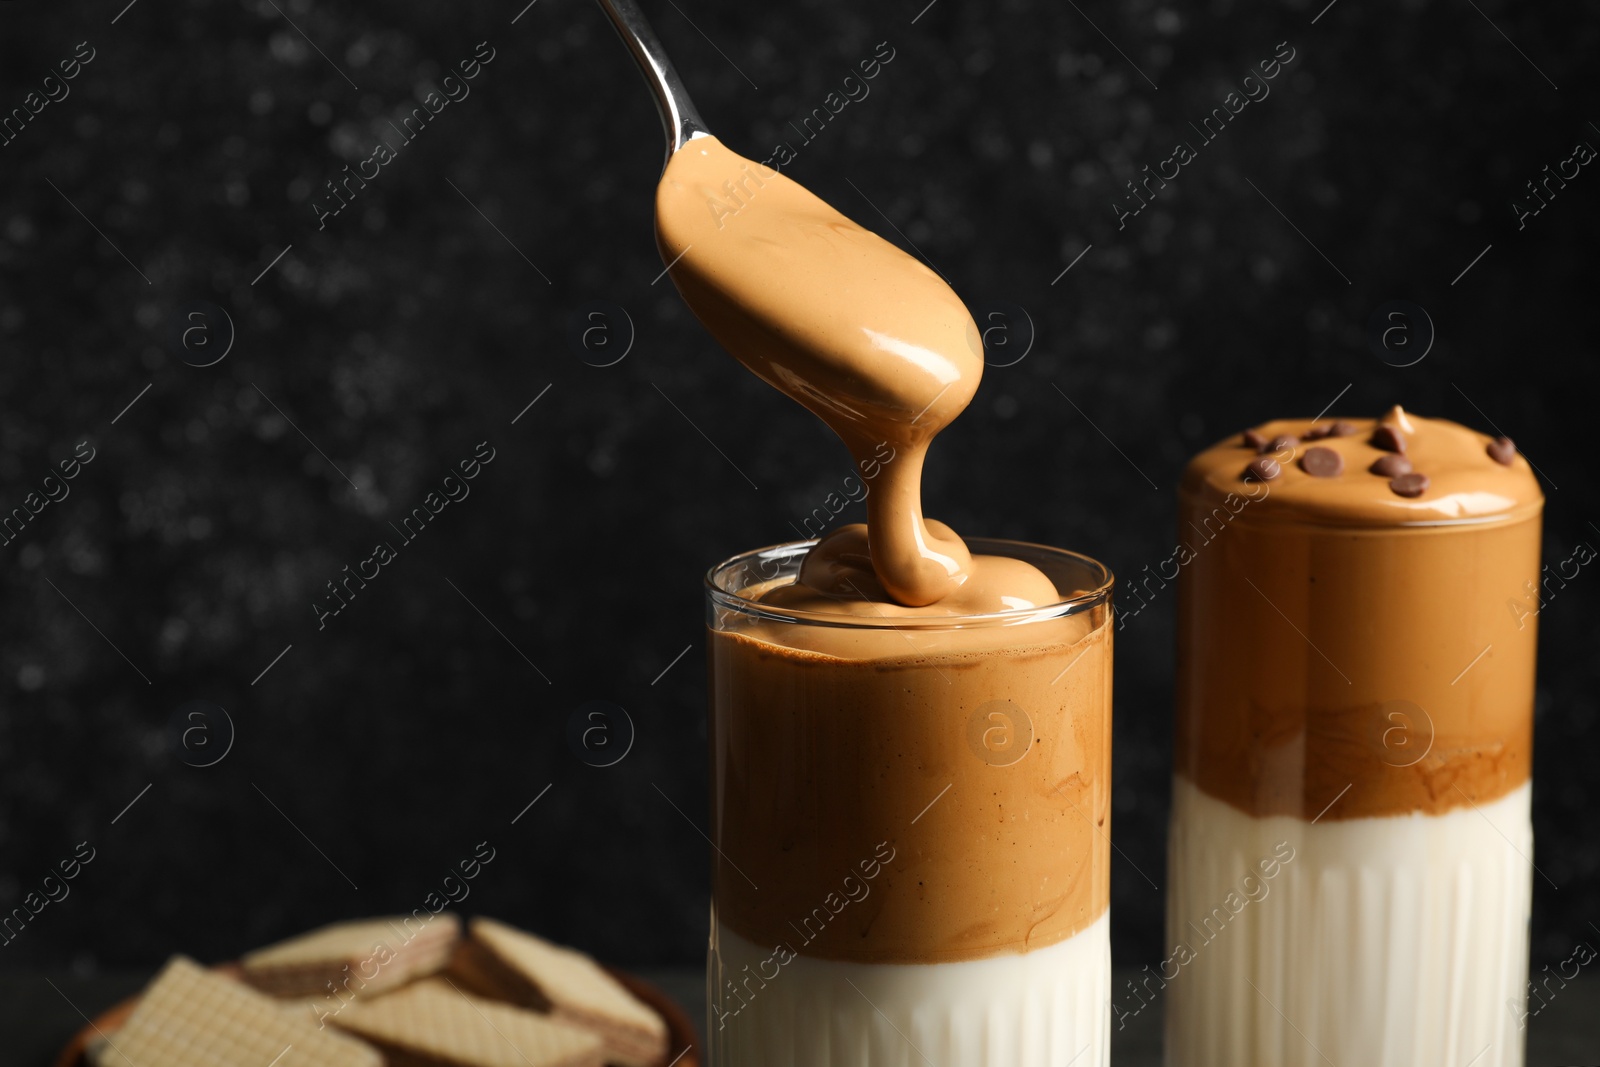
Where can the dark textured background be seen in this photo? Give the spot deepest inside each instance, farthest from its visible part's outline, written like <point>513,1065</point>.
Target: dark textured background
<point>378,752</point>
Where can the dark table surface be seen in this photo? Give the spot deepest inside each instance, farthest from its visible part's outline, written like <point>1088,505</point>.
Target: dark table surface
<point>36,1020</point>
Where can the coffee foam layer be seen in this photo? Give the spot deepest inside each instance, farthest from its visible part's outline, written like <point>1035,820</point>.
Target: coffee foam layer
<point>968,769</point>
<point>1363,665</point>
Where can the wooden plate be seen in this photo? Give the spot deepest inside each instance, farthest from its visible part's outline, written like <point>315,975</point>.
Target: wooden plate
<point>681,1039</point>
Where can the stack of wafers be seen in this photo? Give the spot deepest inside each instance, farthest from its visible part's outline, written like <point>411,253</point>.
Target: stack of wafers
<point>398,992</point>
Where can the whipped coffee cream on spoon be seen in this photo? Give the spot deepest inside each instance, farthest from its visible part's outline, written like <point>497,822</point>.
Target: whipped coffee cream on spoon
<point>866,337</point>
<point>870,340</point>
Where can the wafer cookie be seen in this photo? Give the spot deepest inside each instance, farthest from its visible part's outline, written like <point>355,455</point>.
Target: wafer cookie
<point>192,1017</point>
<point>352,959</point>
<point>432,1024</point>
<point>508,963</point>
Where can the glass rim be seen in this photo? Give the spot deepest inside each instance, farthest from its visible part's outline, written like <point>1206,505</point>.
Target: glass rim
<point>724,597</point>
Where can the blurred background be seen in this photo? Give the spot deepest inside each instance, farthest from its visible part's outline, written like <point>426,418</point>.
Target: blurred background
<point>176,689</point>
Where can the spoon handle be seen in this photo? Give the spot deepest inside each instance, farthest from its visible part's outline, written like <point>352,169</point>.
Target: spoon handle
<point>678,115</point>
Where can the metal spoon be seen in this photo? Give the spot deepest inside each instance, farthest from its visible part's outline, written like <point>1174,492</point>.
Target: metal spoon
<point>678,115</point>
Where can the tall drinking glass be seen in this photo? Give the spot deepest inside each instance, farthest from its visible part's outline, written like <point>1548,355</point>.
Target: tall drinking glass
<point>910,821</point>
<point>1350,868</point>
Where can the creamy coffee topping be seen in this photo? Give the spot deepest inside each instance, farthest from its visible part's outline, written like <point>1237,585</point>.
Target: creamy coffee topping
<point>1348,645</point>
<point>1324,471</point>
<point>865,336</point>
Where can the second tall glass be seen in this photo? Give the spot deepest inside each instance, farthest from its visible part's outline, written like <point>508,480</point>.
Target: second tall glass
<point>1350,857</point>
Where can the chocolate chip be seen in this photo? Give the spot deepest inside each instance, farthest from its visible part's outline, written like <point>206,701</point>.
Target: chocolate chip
<point>1322,463</point>
<point>1281,442</point>
<point>1342,429</point>
<point>1502,451</point>
<point>1317,433</point>
<point>1389,439</point>
<point>1254,440</point>
<point>1412,484</point>
<point>1263,469</point>
<point>1390,466</point>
